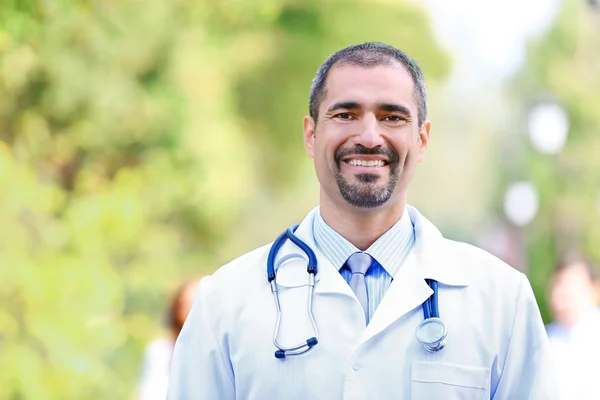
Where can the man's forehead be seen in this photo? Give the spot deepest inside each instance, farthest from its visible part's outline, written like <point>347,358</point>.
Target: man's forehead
<point>390,81</point>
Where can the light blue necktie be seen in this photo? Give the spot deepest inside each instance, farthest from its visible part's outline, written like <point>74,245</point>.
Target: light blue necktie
<point>359,263</point>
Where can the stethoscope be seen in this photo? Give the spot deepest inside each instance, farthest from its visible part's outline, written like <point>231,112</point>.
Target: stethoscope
<point>431,332</point>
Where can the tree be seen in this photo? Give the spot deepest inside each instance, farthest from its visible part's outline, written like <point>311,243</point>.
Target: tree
<point>564,67</point>
<point>133,137</point>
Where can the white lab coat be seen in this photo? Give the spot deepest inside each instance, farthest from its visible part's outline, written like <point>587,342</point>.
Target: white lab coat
<point>496,346</point>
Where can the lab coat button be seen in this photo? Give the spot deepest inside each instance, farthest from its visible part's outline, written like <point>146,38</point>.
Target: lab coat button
<point>355,367</point>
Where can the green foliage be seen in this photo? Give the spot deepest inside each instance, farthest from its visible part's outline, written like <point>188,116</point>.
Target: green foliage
<point>564,66</point>
<point>133,137</point>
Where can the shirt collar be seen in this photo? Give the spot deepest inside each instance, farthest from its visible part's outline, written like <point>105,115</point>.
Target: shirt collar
<point>389,250</point>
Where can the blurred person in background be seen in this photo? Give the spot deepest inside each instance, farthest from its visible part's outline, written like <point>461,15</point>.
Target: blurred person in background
<point>156,361</point>
<point>379,262</point>
<point>575,331</point>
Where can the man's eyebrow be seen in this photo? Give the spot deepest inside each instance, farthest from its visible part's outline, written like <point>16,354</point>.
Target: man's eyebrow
<point>344,105</point>
<point>394,108</point>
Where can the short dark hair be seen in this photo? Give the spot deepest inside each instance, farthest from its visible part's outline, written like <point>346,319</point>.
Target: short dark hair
<point>572,259</point>
<point>368,55</point>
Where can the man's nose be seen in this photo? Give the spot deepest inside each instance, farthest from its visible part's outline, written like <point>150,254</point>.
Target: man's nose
<point>369,135</point>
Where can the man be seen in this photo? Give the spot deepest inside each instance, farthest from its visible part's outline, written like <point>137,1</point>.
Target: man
<point>576,327</point>
<point>367,130</point>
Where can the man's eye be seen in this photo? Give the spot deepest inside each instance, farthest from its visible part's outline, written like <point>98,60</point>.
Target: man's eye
<point>344,116</point>
<point>393,118</point>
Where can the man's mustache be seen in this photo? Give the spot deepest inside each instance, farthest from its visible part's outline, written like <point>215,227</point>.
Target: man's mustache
<point>359,149</point>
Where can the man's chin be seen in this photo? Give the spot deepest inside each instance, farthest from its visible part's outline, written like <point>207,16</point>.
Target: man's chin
<point>366,199</point>
<point>366,204</point>
<point>367,178</point>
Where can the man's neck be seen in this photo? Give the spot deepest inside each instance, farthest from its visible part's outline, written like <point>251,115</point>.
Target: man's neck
<point>360,226</point>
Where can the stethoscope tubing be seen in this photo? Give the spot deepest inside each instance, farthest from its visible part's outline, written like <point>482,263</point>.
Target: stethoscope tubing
<point>430,306</point>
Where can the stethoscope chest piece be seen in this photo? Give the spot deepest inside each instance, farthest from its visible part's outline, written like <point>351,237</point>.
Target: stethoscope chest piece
<point>431,333</point>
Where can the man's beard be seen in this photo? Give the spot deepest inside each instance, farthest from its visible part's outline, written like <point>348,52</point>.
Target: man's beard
<point>367,193</point>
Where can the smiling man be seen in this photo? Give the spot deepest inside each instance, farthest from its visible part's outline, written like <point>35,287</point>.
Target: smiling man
<point>371,301</point>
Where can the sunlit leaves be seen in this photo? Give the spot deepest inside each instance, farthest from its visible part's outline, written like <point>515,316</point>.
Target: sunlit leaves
<point>134,135</point>
<point>564,66</point>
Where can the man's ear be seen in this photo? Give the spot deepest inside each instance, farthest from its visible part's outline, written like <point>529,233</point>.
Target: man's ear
<point>309,135</point>
<point>423,139</point>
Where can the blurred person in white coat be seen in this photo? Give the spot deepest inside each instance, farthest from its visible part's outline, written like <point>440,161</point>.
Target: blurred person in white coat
<point>576,327</point>
<point>156,361</point>
<point>380,265</point>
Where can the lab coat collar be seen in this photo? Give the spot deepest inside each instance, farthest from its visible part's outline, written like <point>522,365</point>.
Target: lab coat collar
<point>432,257</point>
<point>435,256</point>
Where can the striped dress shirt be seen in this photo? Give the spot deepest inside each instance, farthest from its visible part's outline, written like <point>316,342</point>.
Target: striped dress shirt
<point>389,252</point>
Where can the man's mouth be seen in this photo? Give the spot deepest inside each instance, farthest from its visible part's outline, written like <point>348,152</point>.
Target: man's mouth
<point>366,163</point>
<point>361,157</point>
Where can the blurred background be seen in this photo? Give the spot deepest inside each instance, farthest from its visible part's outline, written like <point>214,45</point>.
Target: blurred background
<point>146,143</point>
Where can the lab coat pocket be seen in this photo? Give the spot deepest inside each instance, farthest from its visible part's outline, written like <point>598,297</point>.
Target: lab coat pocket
<point>437,380</point>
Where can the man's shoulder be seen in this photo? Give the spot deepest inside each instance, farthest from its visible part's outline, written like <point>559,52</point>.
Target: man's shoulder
<point>482,264</point>
<point>237,281</point>
<point>493,283</point>
<point>246,264</point>
<point>473,261</point>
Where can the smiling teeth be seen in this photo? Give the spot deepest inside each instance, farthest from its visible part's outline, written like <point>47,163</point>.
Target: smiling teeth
<point>365,163</point>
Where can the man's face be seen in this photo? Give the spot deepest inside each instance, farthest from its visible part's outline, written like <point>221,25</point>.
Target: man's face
<point>366,141</point>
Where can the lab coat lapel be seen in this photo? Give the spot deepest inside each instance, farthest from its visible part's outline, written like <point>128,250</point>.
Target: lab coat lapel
<point>330,279</point>
<point>407,291</point>
<point>430,258</point>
